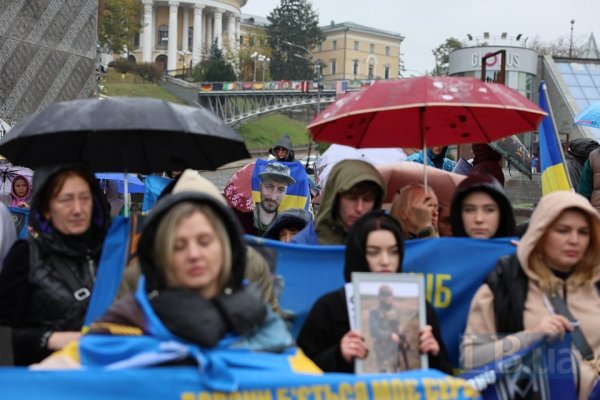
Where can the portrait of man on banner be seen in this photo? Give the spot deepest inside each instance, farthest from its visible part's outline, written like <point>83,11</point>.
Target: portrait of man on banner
<point>276,187</point>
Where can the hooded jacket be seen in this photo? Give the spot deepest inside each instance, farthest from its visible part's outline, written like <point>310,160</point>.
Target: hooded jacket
<point>46,281</point>
<point>439,161</point>
<point>285,142</point>
<point>292,217</point>
<point>343,176</point>
<point>489,185</point>
<point>328,322</point>
<point>486,161</point>
<point>583,301</point>
<point>577,155</point>
<point>187,315</point>
<point>16,200</point>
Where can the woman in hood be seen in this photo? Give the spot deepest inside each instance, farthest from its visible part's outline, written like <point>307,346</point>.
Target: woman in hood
<point>436,157</point>
<point>549,287</point>
<point>193,259</point>
<point>46,282</point>
<point>480,209</point>
<point>375,244</point>
<point>20,192</point>
<point>283,150</point>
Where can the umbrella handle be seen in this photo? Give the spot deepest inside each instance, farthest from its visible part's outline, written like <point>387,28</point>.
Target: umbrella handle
<point>422,127</point>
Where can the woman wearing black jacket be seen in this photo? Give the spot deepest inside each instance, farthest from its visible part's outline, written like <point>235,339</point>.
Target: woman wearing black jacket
<point>46,282</point>
<point>326,337</point>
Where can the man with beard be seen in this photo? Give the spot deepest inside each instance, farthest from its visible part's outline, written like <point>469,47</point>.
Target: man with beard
<point>275,180</point>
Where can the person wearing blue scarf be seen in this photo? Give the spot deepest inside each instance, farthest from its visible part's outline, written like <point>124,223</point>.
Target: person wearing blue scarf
<point>436,157</point>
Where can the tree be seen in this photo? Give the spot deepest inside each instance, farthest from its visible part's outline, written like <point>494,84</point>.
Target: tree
<point>559,47</point>
<point>254,42</point>
<point>296,22</point>
<point>442,56</point>
<point>216,68</point>
<point>118,23</point>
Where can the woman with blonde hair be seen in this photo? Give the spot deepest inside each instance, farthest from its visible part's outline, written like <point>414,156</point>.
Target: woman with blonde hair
<point>549,287</point>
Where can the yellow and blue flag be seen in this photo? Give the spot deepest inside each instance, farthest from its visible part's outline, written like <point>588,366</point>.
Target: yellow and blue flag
<point>554,171</point>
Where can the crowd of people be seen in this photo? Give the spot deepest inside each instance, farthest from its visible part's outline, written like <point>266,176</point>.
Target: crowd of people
<point>198,281</point>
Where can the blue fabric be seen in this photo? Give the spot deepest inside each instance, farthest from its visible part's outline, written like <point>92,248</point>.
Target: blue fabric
<point>542,367</point>
<point>21,219</point>
<point>154,185</point>
<point>308,235</point>
<point>185,383</point>
<point>110,269</point>
<point>451,278</point>
<point>418,158</point>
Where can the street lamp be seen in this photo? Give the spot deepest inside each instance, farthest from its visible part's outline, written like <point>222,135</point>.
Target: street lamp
<point>254,56</point>
<point>571,43</point>
<point>264,60</point>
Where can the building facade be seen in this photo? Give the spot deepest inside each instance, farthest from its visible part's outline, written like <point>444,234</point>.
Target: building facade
<point>179,33</point>
<point>572,83</point>
<point>355,52</point>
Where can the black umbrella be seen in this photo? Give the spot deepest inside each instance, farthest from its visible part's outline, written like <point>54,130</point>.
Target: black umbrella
<point>123,134</point>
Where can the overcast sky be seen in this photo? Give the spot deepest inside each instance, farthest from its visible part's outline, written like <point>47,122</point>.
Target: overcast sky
<point>426,24</point>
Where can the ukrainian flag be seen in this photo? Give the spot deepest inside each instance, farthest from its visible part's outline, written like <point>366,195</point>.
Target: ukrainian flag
<point>554,172</point>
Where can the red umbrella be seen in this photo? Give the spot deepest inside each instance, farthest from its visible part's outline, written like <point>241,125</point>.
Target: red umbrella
<point>427,110</point>
<point>238,190</point>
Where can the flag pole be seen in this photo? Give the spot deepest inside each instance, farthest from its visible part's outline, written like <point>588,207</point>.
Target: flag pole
<point>551,115</point>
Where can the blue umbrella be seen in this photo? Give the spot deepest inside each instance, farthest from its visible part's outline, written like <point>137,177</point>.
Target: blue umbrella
<point>589,117</point>
<point>135,185</point>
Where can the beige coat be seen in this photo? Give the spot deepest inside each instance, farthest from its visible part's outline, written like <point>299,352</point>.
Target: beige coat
<point>479,346</point>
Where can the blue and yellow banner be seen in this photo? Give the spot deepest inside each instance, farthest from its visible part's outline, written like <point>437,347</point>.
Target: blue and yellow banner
<point>188,383</point>
<point>454,268</point>
<point>554,171</point>
<point>297,194</point>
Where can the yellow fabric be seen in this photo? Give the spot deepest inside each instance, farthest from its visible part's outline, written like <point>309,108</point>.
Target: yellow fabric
<point>301,364</point>
<point>555,178</point>
<point>289,201</point>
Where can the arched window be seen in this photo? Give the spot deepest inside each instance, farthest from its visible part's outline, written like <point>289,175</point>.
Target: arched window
<point>163,36</point>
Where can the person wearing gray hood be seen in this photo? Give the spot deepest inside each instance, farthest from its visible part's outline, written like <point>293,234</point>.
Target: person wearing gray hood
<point>283,149</point>
<point>576,157</point>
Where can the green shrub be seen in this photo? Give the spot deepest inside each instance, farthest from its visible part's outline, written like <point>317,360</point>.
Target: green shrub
<point>150,72</point>
<point>124,65</point>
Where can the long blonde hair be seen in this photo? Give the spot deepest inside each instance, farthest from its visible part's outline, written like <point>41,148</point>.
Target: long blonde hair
<point>584,270</point>
<point>164,240</point>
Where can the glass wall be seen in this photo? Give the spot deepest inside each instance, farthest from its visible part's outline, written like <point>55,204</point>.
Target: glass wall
<point>583,81</point>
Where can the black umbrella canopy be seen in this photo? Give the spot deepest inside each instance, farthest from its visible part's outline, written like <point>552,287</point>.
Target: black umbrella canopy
<point>123,134</point>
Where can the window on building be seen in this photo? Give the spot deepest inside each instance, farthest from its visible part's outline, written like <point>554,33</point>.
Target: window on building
<point>241,40</point>
<point>320,47</point>
<point>163,35</point>
<point>355,68</point>
<point>190,38</point>
<point>387,50</point>
<point>356,45</point>
<point>136,40</point>
<point>372,48</point>
<point>334,44</point>
<point>333,67</point>
<point>386,72</point>
<point>371,71</point>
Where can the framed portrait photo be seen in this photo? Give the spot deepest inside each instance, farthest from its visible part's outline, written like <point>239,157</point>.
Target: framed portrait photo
<point>390,312</point>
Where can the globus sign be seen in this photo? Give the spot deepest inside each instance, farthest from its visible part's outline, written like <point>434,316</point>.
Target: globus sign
<point>469,59</point>
<point>512,59</point>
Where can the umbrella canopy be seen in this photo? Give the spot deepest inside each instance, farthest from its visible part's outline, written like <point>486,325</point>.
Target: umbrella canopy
<point>431,111</point>
<point>134,184</point>
<point>338,152</point>
<point>400,174</point>
<point>123,134</point>
<point>238,190</point>
<point>589,117</point>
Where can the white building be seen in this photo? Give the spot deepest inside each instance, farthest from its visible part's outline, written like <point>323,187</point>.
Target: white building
<point>179,32</point>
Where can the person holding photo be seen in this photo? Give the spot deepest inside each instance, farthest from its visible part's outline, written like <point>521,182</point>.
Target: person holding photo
<point>375,244</point>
